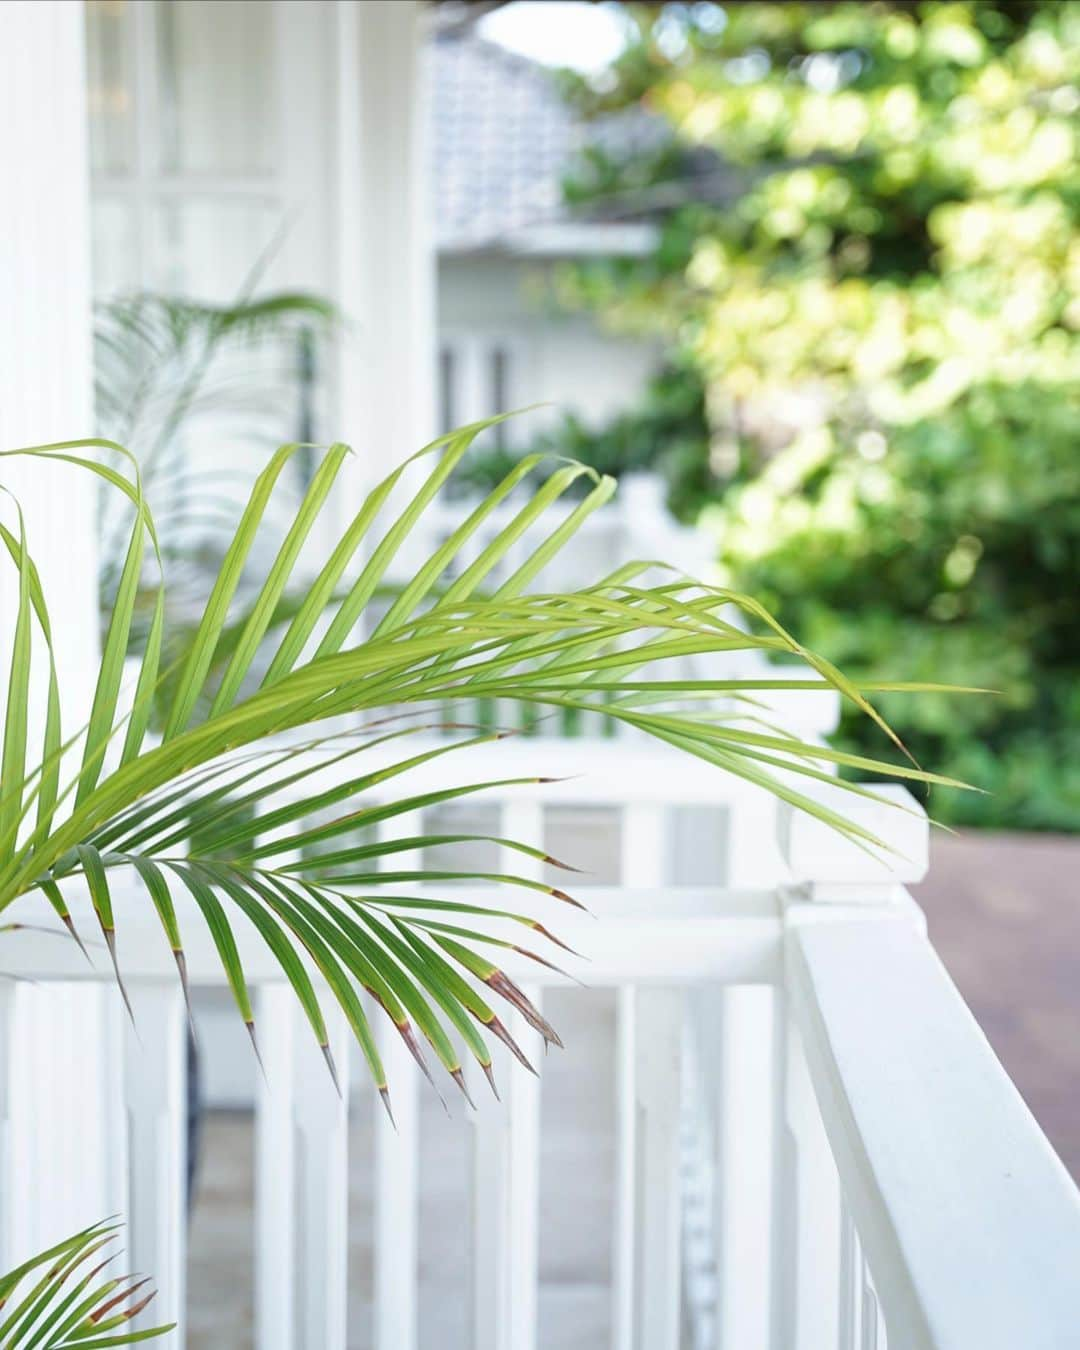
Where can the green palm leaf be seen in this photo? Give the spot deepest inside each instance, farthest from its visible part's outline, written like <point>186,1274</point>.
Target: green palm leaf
<point>274,794</point>
<point>64,1298</point>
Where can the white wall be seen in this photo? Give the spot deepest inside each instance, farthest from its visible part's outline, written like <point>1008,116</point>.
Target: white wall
<point>557,358</point>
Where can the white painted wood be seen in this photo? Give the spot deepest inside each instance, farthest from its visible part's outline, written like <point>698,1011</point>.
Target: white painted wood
<point>506,1154</point>
<point>8,1089</point>
<point>970,1223</point>
<point>384,260</point>
<point>301,1178</point>
<point>782,1198</point>
<point>815,1202</point>
<point>699,1155</point>
<point>63,1064</point>
<point>275,1167</point>
<point>397,1156</point>
<point>522,820</point>
<point>872,1327</point>
<point>322,1138</point>
<point>622,1264</point>
<point>397,1161</point>
<point>657,1265</point>
<point>641,860</point>
<point>155,1089</point>
<point>752,855</point>
<point>743,1084</point>
<point>852,1272</point>
<point>505,1188</point>
<point>840,869</point>
<point>45,360</point>
<point>667,937</point>
<point>642,843</point>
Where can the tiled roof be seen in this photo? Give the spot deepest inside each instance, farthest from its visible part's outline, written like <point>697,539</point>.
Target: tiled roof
<point>502,140</point>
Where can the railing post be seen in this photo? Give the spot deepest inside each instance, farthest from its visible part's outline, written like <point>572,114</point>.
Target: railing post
<point>155,1087</point>
<point>63,1062</point>
<point>825,866</point>
<point>506,1160</point>
<point>322,1213</point>
<point>506,1182</point>
<point>397,1160</point>
<point>832,878</point>
<point>658,1247</point>
<point>301,1178</point>
<point>275,1169</point>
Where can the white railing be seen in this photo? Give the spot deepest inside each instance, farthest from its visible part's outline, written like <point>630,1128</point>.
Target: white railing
<point>874,1178</point>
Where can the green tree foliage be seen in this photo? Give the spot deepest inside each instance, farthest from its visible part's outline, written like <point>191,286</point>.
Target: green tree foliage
<point>874,279</point>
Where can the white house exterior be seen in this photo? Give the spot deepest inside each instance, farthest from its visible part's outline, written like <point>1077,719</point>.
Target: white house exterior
<point>502,141</point>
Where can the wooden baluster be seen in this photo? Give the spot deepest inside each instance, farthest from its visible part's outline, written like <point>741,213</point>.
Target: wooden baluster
<point>744,1085</point>
<point>321,1115</point>
<point>646,1266</point>
<point>871,1320</point>
<point>752,858</point>
<point>782,1208</point>
<point>63,1063</point>
<point>851,1278</point>
<point>622,1264</point>
<point>155,1090</point>
<point>301,1178</point>
<point>8,1094</point>
<point>506,1175</point>
<point>506,1158</point>
<point>816,1195</point>
<point>657,1265</point>
<point>397,1157</point>
<point>275,1168</point>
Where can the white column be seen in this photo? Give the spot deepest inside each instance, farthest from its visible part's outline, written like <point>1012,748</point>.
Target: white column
<point>385,259</point>
<point>46,379</point>
<point>62,1064</point>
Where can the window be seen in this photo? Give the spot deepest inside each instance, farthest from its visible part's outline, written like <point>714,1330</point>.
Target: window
<point>203,176</point>
<point>448,394</point>
<point>500,384</point>
<point>479,376</point>
<point>185,196</point>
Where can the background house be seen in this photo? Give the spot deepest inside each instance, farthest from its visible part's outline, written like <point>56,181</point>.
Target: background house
<point>503,140</point>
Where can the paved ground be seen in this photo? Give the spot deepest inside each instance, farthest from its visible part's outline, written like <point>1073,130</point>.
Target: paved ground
<point>1004,914</point>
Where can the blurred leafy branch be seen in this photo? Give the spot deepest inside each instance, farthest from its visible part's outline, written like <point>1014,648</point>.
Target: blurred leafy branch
<point>867,277</point>
<point>164,363</point>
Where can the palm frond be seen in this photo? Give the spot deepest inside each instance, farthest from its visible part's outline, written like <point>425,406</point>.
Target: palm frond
<point>66,1297</point>
<point>286,773</point>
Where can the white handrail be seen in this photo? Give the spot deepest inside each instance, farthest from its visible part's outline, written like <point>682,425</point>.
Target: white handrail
<point>968,1219</point>
<point>648,936</point>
